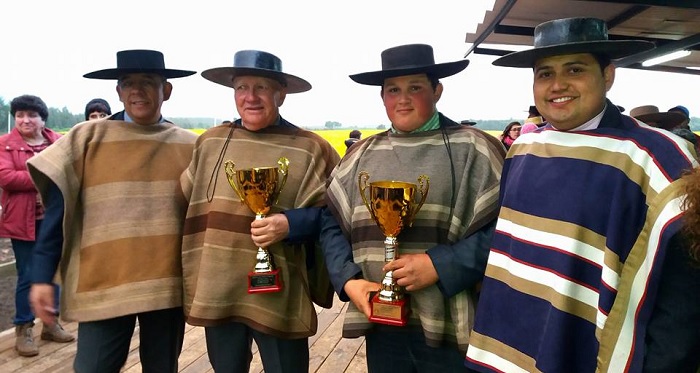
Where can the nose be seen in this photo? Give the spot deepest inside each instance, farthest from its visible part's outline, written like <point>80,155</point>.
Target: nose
<point>559,82</point>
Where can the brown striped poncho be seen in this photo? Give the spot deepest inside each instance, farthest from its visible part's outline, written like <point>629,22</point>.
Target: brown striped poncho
<point>217,250</point>
<point>477,159</point>
<point>123,215</point>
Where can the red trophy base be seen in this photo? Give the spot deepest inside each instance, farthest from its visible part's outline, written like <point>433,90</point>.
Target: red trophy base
<point>264,282</point>
<point>390,313</point>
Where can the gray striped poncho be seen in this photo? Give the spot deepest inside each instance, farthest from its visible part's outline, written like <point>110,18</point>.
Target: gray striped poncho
<point>477,159</point>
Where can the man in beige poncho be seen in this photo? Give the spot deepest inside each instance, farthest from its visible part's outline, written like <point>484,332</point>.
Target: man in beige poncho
<point>221,236</point>
<point>114,215</point>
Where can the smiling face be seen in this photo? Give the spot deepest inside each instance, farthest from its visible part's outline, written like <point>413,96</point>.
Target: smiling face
<point>570,90</point>
<point>143,95</point>
<point>410,101</point>
<point>258,100</point>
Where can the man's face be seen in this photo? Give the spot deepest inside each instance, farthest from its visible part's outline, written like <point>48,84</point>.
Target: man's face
<point>570,90</point>
<point>143,95</point>
<point>410,101</point>
<point>258,100</point>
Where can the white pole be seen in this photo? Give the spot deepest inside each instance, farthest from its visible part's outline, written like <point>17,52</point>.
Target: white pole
<point>8,121</point>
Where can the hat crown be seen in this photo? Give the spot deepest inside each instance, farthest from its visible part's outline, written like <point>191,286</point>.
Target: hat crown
<point>253,59</point>
<point>644,110</point>
<point>407,56</point>
<point>570,30</point>
<point>140,59</point>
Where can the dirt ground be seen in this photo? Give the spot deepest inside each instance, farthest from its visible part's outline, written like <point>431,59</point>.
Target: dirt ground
<point>7,287</point>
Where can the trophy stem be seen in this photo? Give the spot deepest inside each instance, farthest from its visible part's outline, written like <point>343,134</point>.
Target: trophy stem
<point>390,291</point>
<point>263,258</point>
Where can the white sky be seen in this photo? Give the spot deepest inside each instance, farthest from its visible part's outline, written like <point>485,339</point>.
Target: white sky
<point>49,45</point>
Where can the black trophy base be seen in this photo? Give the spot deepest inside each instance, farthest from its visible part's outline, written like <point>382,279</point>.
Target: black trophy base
<point>264,282</point>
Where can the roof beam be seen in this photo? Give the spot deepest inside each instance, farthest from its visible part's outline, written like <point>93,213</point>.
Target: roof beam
<point>666,3</point>
<point>669,47</point>
<point>496,21</point>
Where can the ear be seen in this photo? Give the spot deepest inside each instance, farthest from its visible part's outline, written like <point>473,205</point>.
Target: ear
<point>167,90</point>
<point>609,76</point>
<point>282,95</point>
<point>119,93</point>
<point>438,92</point>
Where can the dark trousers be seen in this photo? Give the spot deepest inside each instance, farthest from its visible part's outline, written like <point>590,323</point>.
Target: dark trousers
<point>23,251</point>
<point>393,349</point>
<point>103,346</point>
<point>229,350</point>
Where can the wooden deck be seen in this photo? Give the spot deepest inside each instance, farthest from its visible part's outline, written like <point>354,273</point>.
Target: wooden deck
<point>328,352</point>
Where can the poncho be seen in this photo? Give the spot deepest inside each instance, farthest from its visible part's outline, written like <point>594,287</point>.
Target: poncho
<point>585,221</point>
<point>452,211</point>
<point>218,252</point>
<point>123,215</point>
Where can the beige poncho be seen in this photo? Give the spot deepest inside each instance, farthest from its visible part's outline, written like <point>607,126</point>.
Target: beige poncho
<point>123,215</point>
<point>217,250</point>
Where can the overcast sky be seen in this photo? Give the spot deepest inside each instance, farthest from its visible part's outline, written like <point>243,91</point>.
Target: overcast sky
<point>49,45</point>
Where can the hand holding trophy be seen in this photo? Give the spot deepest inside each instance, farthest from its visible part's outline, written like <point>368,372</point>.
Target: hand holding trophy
<point>259,189</point>
<point>392,205</point>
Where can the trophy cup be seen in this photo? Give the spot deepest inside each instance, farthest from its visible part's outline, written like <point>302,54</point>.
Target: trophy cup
<point>392,205</point>
<point>259,189</point>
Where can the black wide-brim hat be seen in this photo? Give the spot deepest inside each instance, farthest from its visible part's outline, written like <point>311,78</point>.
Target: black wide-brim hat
<point>256,63</point>
<point>139,61</point>
<point>650,114</point>
<point>572,36</point>
<point>408,60</point>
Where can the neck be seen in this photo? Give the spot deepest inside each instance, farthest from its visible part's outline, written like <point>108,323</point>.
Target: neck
<point>33,139</point>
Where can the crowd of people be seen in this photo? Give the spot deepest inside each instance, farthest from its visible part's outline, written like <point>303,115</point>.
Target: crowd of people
<point>569,243</point>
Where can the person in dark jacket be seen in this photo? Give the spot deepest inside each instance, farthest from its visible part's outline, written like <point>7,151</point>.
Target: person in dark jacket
<point>23,211</point>
<point>354,137</point>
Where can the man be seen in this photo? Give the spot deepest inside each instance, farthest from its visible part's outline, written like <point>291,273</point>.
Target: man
<point>443,255</point>
<point>113,223</point>
<point>590,206</point>
<point>222,235</point>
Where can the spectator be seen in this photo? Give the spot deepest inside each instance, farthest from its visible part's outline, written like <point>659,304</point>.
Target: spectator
<point>354,137</point>
<point>97,108</point>
<point>510,133</point>
<point>23,213</point>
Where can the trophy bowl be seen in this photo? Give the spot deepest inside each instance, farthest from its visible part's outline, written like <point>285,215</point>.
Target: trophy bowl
<point>393,206</point>
<point>259,188</point>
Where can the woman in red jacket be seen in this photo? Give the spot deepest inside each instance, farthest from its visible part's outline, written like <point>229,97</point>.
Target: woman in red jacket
<point>22,211</point>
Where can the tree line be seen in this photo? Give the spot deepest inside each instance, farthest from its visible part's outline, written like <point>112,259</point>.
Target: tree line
<point>62,120</point>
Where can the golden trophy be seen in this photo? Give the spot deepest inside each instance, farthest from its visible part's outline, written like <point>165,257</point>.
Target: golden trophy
<point>392,205</point>
<point>259,189</point>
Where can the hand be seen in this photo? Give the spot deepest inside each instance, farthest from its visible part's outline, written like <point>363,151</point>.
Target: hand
<point>413,271</point>
<point>358,291</point>
<point>42,302</point>
<point>271,229</point>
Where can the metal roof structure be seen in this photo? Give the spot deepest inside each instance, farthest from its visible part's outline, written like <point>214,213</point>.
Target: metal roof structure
<point>672,25</point>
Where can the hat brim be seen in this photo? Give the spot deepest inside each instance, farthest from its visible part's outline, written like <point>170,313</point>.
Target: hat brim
<point>118,73</point>
<point>613,49</point>
<point>225,76</point>
<point>440,70</point>
<point>662,120</point>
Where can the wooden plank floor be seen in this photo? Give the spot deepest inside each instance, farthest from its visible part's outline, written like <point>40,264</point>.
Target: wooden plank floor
<point>328,352</point>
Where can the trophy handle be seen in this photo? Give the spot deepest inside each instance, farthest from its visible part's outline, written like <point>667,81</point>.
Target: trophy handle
<point>229,167</point>
<point>283,164</point>
<point>362,183</point>
<point>423,187</point>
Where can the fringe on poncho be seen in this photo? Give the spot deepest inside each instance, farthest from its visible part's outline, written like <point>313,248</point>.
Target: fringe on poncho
<point>123,215</point>
<point>585,221</point>
<point>218,252</point>
<point>477,158</point>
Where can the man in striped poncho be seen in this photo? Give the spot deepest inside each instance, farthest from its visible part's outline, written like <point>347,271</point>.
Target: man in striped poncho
<point>222,234</point>
<point>443,255</point>
<point>114,216</point>
<point>590,208</point>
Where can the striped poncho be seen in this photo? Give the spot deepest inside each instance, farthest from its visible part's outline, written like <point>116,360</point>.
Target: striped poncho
<point>585,221</point>
<point>218,252</point>
<point>123,215</point>
<point>477,159</point>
